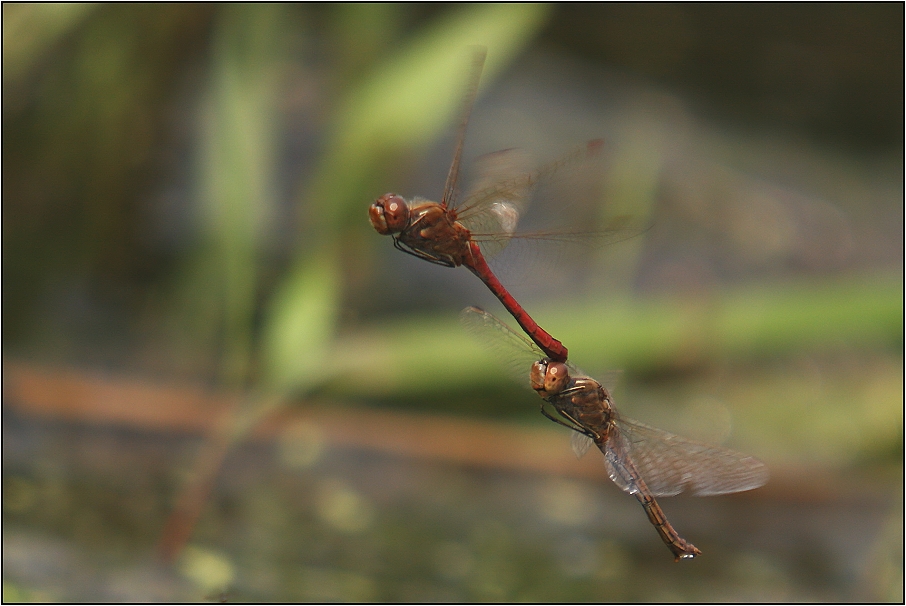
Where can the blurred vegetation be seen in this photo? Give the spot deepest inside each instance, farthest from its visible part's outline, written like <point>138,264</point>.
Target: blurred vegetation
<point>185,188</point>
<point>110,111</point>
<point>185,191</point>
<point>84,122</point>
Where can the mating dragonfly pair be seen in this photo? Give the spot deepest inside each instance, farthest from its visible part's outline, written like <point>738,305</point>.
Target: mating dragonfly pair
<point>641,460</point>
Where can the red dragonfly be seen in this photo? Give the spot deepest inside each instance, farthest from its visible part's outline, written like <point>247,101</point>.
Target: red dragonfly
<point>451,235</point>
<point>641,460</point>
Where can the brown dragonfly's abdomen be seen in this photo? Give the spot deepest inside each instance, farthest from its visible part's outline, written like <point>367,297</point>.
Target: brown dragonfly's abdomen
<point>586,404</point>
<point>681,548</point>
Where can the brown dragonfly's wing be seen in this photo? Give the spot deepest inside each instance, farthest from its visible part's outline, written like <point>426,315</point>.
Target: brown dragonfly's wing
<point>514,351</point>
<point>478,56</point>
<point>580,444</point>
<point>670,464</point>
<point>510,347</point>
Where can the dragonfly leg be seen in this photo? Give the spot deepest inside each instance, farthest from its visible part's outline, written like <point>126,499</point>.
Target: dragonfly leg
<point>571,390</point>
<point>573,424</point>
<point>437,260</point>
<point>591,433</point>
<point>556,420</point>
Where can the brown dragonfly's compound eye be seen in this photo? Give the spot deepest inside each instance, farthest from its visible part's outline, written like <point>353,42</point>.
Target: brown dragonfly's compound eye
<point>389,214</point>
<point>556,378</point>
<point>536,376</point>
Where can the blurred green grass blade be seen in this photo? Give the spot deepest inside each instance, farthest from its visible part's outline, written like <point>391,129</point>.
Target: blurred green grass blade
<point>415,94</point>
<point>748,322</point>
<point>860,311</point>
<point>412,97</point>
<point>237,164</point>
<point>300,324</point>
<point>432,354</point>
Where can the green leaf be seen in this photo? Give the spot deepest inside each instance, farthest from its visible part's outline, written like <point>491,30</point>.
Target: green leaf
<point>301,323</point>
<point>236,173</point>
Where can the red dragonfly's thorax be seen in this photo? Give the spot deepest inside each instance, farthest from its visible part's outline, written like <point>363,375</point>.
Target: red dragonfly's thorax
<point>434,230</point>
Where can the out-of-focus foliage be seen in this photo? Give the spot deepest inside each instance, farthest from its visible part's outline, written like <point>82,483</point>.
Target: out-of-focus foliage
<point>111,77</point>
<point>236,169</point>
<point>156,215</point>
<point>153,203</point>
<point>86,99</point>
<point>29,31</point>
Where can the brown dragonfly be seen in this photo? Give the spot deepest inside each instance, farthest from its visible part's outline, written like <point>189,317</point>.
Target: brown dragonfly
<point>484,222</point>
<point>641,460</point>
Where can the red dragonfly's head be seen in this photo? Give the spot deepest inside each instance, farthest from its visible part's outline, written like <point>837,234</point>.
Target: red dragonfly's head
<point>389,214</point>
<point>549,378</point>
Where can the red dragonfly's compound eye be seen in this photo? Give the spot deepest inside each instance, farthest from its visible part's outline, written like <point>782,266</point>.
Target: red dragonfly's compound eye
<point>389,214</point>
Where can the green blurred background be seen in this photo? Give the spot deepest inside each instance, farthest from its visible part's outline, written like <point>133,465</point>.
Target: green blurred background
<point>184,199</point>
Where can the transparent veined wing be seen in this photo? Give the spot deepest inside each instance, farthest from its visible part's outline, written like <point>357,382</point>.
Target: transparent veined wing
<point>670,464</point>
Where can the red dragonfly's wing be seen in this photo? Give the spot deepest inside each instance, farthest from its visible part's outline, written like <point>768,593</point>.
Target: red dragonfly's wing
<point>670,464</point>
<point>580,444</point>
<point>497,198</point>
<point>478,57</point>
<point>503,190</point>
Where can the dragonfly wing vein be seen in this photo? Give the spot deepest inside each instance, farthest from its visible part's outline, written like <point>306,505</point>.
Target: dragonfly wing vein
<point>670,464</point>
<point>580,444</point>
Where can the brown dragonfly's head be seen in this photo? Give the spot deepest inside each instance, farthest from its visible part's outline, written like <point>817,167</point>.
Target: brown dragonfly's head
<point>549,378</point>
<point>389,214</point>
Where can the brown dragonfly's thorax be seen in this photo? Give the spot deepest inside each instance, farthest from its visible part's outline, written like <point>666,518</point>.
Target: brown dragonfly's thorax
<point>579,399</point>
<point>434,231</point>
<point>586,401</point>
